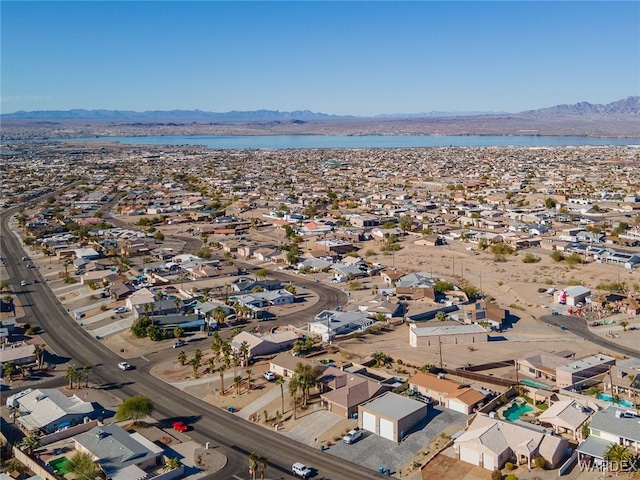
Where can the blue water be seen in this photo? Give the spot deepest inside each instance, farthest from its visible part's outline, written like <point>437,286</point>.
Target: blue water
<point>514,412</point>
<point>531,383</point>
<point>608,398</point>
<point>278,142</point>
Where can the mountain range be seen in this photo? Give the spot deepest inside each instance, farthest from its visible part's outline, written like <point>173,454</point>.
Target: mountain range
<point>628,107</point>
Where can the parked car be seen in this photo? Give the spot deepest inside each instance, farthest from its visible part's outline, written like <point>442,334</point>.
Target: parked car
<point>24,258</point>
<point>269,375</point>
<point>24,283</point>
<point>180,426</point>
<point>29,265</point>
<point>119,310</point>
<point>179,343</point>
<point>301,470</point>
<point>124,366</point>
<point>352,436</point>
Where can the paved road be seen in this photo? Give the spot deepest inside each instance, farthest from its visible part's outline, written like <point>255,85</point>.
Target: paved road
<point>578,326</point>
<point>233,436</point>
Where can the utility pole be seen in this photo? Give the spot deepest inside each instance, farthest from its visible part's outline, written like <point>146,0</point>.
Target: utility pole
<point>440,351</point>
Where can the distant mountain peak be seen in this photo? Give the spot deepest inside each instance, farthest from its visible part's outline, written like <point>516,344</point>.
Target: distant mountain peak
<point>629,106</point>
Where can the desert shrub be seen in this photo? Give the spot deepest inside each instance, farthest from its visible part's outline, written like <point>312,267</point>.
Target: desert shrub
<point>496,475</point>
<point>511,476</point>
<point>557,256</point>
<point>540,462</point>
<point>509,466</point>
<point>530,258</point>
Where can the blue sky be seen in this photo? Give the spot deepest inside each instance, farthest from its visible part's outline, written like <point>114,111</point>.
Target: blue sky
<point>358,58</point>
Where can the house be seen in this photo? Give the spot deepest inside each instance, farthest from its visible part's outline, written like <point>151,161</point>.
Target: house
<point>140,297</point>
<point>265,344</point>
<point>566,416</point>
<point>541,364</point>
<point>20,353</point>
<point>624,379</point>
<point>284,364</point>
<point>449,393</point>
<point>246,285</point>
<point>482,311</point>
<point>170,321</point>
<point>375,308</point>
<point>330,323</point>
<point>347,390</point>
<point>334,245</point>
<point>579,371</point>
<point>391,416</point>
<point>430,338</point>
<point>432,240</point>
<point>120,290</point>
<point>416,280</point>
<point>613,425</point>
<point>490,443</point>
<point>315,264</point>
<point>120,454</point>
<point>48,409</point>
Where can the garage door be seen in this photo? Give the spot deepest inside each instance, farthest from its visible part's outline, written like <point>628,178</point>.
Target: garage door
<point>457,406</point>
<point>488,462</point>
<point>369,422</point>
<point>386,429</point>
<point>470,456</point>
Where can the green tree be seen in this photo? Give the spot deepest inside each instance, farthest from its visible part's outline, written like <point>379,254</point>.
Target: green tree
<point>83,466</point>
<point>30,443</point>
<point>70,374</point>
<point>557,256</point>
<point>221,369</point>
<point>178,332</point>
<point>293,392</point>
<point>253,464</point>
<point>262,463</point>
<point>194,364</point>
<point>219,315</point>
<point>39,351</point>
<point>134,408</point>
<point>172,463</point>
<point>280,382</point>
<point>618,454</point>
<point>380,358</point>
<point>7,369</point>
<point>237,381</point>
<point>261,274</point>
<point>182,357</point>
<point>550,203</point>
<point>441,316</point>
<point>85,372</point>
<point>405,223</point>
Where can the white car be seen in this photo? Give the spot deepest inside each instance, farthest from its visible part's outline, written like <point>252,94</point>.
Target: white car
<point>119,310</point>
<point>124,366</point>
<point>352,436</point>
<point>269,375</point>
<point>301,470</point>
<point>24,283</point>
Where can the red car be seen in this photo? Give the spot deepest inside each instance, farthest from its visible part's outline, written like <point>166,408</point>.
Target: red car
<point>180,426</point>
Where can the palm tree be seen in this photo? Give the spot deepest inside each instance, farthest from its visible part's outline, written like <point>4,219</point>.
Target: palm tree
<point>221,369</point>
<point>8,299</point>
<point>198,355</point>
<point>172,463</point>
<point>261,274</point>
<point>211,362</point>
<point>253,464</point>
<point>77,377</point>
<point>624,324</point>
<point>617,453</point>
<point>39,351</point>
<point>70,374</point>
<point>293,391</point>
<point>262,463</point>
<point>30,442</point>
<point>280,381</point>
<point>85,371</point>
<point>249,372</point>
<point>237,380</point>
<point>7,369</point>
<point>182,357</point>
<point>244,352</point>
<point>194,364</point>
<point>219,315</point>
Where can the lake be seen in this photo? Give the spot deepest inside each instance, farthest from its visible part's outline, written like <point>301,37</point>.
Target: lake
<point>279,142</point>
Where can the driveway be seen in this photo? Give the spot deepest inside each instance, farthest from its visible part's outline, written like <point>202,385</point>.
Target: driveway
<point>373,451</point>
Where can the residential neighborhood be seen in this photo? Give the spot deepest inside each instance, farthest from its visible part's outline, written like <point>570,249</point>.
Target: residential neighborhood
<point>460,307</point>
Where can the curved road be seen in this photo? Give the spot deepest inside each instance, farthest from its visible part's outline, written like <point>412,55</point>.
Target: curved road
<point>233,436</point>
<point>579,327</point>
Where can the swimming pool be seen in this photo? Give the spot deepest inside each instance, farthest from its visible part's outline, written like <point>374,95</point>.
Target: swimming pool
<point>608,398</point>
<point>516,410</point>
<point>531,383</point>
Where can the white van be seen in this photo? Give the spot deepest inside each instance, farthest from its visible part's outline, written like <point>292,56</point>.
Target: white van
<point>301,470</point>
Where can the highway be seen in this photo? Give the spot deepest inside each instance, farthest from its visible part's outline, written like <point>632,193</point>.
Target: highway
<point>231,435</point>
